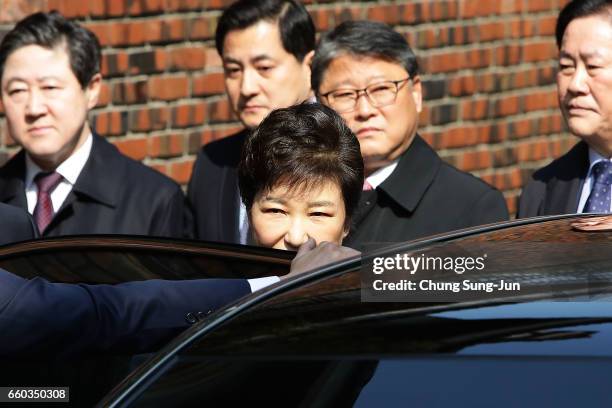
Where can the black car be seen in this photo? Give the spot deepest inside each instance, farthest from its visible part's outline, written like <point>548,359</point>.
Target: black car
<point>321,339</point>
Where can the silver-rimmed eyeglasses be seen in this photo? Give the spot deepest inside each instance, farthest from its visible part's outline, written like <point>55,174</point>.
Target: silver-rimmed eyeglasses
<point>379,94</point>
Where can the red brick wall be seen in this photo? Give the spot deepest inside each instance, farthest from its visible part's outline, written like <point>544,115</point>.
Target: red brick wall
<point>488,69</point>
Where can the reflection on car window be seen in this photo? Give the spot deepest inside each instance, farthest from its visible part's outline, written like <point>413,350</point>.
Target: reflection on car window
<point>389,382</point>
<point>114,260</point>
<point>227,383</point>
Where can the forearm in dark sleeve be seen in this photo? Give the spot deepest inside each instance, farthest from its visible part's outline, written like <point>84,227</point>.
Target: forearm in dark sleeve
<point>38,317</point>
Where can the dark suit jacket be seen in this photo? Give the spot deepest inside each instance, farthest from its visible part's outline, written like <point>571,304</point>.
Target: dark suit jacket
<point>15,225</point>
<point>424,196</point>
<point>213,193</point>
<point>38,317</point>
<point>113,195</point>
<point>555,189</point>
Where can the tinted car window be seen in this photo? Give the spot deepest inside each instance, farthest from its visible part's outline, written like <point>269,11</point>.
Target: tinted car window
<point>117,259</point>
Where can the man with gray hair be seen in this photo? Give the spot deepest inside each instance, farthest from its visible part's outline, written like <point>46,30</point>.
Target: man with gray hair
<point>367,72</point>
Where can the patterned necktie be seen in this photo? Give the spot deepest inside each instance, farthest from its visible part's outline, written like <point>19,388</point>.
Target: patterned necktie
<point>43,212</point>
<point>367,186</point>
<point>599,199</point>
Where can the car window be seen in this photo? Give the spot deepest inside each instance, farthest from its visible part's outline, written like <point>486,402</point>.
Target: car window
<point>89,259</point>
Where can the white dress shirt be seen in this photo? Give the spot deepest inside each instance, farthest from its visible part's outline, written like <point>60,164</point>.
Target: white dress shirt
<point>379,176</point>
<point>243,223</point>
<point>69,170</point>
<point>260,283</point>
<point>594,157</point>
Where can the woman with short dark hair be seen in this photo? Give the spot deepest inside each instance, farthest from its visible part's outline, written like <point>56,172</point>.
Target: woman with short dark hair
<point>300,177</point>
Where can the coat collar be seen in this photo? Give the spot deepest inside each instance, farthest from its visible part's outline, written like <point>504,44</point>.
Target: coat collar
<point>415,172</point>
<point>562,192</point>
<point>102,175</point>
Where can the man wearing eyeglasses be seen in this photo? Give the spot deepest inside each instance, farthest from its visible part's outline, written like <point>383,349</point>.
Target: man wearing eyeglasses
<point>367,72</point>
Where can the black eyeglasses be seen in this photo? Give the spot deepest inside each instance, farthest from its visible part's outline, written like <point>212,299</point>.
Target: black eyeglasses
<point>379,94</point>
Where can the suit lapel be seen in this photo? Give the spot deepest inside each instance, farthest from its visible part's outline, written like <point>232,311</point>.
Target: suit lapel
<point>228,223</point>
<point>229,201</point>
<point>64,213</point>
<point>563,191</point>
<point>365,206</point>
<point>562,196</point>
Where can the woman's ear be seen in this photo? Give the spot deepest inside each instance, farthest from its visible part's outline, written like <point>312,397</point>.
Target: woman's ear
<point>346,231</point>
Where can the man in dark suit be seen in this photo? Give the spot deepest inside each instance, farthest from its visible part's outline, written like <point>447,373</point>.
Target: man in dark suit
<point>266,47</point>
<point>368,74</point>
<point>580,180</point>
<point>70,179</point>
<point>16,225</point>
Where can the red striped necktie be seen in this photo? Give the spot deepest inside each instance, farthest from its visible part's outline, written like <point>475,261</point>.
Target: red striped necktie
<point>43,212</point>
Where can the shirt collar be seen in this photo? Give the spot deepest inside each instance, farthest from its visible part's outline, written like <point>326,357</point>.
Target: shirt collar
<point>69,169</point>
<point>375,179</point>
<point>594,158</point>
